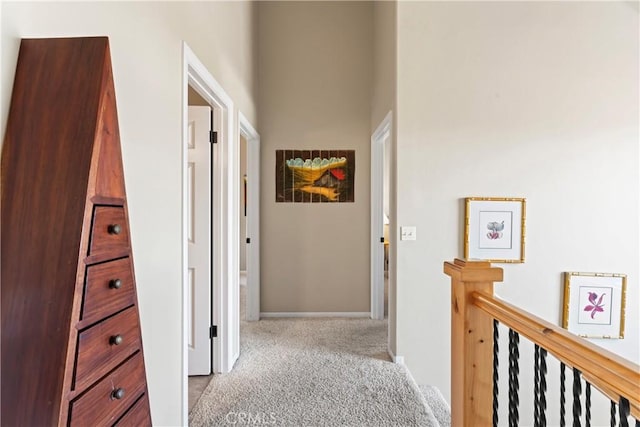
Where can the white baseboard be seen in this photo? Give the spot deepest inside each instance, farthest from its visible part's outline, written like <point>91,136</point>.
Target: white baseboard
<point>315,314</point>
<point>396,359</point>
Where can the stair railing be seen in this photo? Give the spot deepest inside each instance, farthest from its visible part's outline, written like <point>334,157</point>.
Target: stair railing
<point>475,316</point>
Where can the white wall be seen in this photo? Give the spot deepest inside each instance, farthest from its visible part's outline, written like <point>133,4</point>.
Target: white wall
<point>146,48</point>
<point>529,99</point>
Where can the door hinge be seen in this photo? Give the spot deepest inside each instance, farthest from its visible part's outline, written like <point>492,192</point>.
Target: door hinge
<point>213,137</point>
<point>382,240</point>
<point>213,331</point>
<point>248,239</point>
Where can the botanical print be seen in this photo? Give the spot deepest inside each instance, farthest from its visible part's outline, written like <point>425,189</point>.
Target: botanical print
<point>595,305</point>
<point>495,229</point>
<point>315,176</point>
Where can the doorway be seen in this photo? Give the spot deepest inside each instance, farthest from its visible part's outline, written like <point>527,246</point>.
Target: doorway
<point>380,213</point>
<point>250,188</point>
<point>245,241</point>
<point>224,195</point>
<point>201,125</point>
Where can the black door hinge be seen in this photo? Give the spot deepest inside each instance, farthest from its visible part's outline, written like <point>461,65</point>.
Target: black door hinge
<point>248,239</point>
<point>213,137</point>
<point>213,332</point>
<point>382,240</point>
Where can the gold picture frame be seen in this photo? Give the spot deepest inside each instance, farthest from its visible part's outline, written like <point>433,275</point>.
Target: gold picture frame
<point>594,304</point>
<point>495,229</point>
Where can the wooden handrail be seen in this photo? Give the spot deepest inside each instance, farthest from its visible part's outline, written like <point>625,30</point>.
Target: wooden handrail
<point>473,308</point>
<point>613,375</point>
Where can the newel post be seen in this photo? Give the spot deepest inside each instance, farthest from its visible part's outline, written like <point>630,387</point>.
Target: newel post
<point>471,343</point>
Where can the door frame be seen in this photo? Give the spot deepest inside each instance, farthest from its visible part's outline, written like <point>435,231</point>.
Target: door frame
<point>226,223</point>
<point>382,132</point>
<point>253,216</point>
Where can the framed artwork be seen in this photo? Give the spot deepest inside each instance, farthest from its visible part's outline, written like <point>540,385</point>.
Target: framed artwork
<point>594,304</point>
<point>494,229</point>
<point>315,176</point>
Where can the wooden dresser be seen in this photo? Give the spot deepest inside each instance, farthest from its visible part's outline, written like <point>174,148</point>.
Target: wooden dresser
<point>71,343</point>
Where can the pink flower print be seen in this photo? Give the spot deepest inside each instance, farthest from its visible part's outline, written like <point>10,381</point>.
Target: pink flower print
<point>594,307</point>
<point>496,228</point>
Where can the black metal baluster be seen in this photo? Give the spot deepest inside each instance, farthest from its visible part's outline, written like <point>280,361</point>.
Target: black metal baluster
<point>562,398</point>
<point>623,409</point>
<point>536,386</point>
<point>577,391</point>
<point>587,404</point>
<point>495,372</point>
<point>543,387</point>
<point>613,414</point>
<point>514,371</point>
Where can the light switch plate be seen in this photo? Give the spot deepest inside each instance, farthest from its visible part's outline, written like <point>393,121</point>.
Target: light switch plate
<point>407,233</point>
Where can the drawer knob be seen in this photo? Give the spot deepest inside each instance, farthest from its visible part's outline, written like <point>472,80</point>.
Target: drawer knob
<point>116,340</point>
<point>114,229</point>
<point>115,283</point>
<point>117,393</point>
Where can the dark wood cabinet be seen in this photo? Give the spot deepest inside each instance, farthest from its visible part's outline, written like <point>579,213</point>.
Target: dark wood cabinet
<point>71,343</point>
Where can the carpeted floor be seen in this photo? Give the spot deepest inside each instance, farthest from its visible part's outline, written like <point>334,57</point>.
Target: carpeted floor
<point>314,372</point>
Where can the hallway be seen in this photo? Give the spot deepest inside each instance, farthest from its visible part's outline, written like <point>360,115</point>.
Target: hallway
<point>315,372</point>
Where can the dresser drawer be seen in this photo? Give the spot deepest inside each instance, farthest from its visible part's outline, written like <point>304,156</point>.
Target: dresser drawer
<point>102,404</point>
<point>109,233</point>
<point>137,416</point>
<point>108,288</point>
<point>105,345</point>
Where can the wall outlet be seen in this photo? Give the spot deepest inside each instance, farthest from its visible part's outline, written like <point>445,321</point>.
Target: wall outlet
<point>407,233</point>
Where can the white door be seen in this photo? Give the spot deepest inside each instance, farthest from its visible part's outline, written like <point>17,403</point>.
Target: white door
<point>199,236</point>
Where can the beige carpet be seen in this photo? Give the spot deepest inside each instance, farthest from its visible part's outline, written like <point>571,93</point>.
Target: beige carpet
<point>313,372</point>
